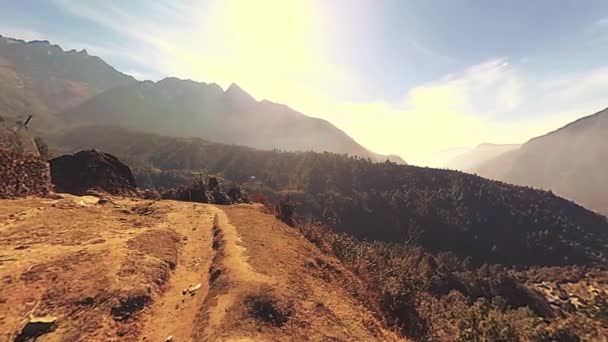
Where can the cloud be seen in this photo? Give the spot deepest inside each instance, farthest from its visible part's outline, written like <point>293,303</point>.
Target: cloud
<point>603,22</point>
<point>272,48</point>
<point>487,89</point>
<point>492,101</point>
<point>279,55</point>
<point>585,84</point>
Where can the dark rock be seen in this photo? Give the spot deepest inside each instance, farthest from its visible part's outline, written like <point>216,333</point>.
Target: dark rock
<point>36,327</point>
<point>92,170</point>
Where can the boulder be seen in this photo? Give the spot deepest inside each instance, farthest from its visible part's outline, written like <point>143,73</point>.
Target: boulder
<point>84,171</point>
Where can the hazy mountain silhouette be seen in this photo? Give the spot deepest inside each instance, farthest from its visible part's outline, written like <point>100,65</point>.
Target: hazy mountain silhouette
<point>191,109</point>
<point>471,160</point>
<point>42,79</point>
<point>571,161</point>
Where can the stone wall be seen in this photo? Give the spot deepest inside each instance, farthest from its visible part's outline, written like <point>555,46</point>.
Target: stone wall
<point>23,175</point>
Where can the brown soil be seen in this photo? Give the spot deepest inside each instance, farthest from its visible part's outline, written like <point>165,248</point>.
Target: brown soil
<point>119,270</point>
<point>275,285</point>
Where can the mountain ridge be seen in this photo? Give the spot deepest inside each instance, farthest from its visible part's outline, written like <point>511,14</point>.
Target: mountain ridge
<point>569,161</point>
<point>178,107</point>
<point>40,78</point>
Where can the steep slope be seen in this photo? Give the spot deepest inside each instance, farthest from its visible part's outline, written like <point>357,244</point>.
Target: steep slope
<point>41,79</point>
<point>190,109</point>
<point>490,221</point>
<point>127,269</point>
<point>570,161</point>
<point>478,156</point>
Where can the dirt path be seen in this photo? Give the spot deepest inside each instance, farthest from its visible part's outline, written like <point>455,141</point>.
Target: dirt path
<point>233,263</point>
<point>269,283</point>
<point>174,312</point>
<point>116,269</point>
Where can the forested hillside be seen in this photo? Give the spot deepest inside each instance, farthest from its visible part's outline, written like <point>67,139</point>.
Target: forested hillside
<point>490,221</point>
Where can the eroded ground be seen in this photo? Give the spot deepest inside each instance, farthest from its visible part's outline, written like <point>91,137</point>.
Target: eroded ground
<point>115,269</point>
<point>97,266</point>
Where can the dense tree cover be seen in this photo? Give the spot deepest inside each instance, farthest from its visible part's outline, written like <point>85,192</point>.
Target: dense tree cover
<point>438,296</point>
<point>493,222</point>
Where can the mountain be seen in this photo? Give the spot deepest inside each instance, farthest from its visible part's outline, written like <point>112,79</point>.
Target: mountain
<point>482,153</point>
<point>571,161</point>
<point>67,88</point>
<point>489,221</point>
<point>191,109</point>
<point>41,79</point>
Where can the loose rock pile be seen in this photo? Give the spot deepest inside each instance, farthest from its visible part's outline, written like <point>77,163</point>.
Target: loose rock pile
<point>23,175</point>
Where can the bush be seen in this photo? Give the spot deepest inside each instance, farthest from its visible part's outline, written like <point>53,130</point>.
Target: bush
<point>285,211</point>
<point>437,296</point>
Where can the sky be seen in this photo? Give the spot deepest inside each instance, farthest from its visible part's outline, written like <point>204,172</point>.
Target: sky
<point>417,78</point>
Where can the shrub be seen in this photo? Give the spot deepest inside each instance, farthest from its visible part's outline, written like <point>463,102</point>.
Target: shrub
<point>285,211</point>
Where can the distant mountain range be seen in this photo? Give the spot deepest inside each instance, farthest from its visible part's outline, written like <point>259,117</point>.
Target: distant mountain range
<point>191,109</point>
<point>481,154</point>
<point>70,88</point>
<point>66,89</point>
<point>571,161</point>
<point>42,79</point>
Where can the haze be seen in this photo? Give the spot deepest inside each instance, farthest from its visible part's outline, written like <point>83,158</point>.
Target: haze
<point>413,78</point>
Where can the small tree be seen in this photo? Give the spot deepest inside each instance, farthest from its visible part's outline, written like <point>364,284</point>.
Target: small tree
<point>285,211</point>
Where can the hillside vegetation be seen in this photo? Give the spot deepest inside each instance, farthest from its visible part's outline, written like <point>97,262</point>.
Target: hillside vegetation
<point>489,221</point>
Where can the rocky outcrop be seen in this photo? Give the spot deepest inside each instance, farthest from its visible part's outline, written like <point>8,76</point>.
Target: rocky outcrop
<point>92,171</point>
<point>23,175</point>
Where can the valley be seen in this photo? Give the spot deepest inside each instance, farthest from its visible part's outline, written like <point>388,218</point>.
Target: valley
<point>178,210</point>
